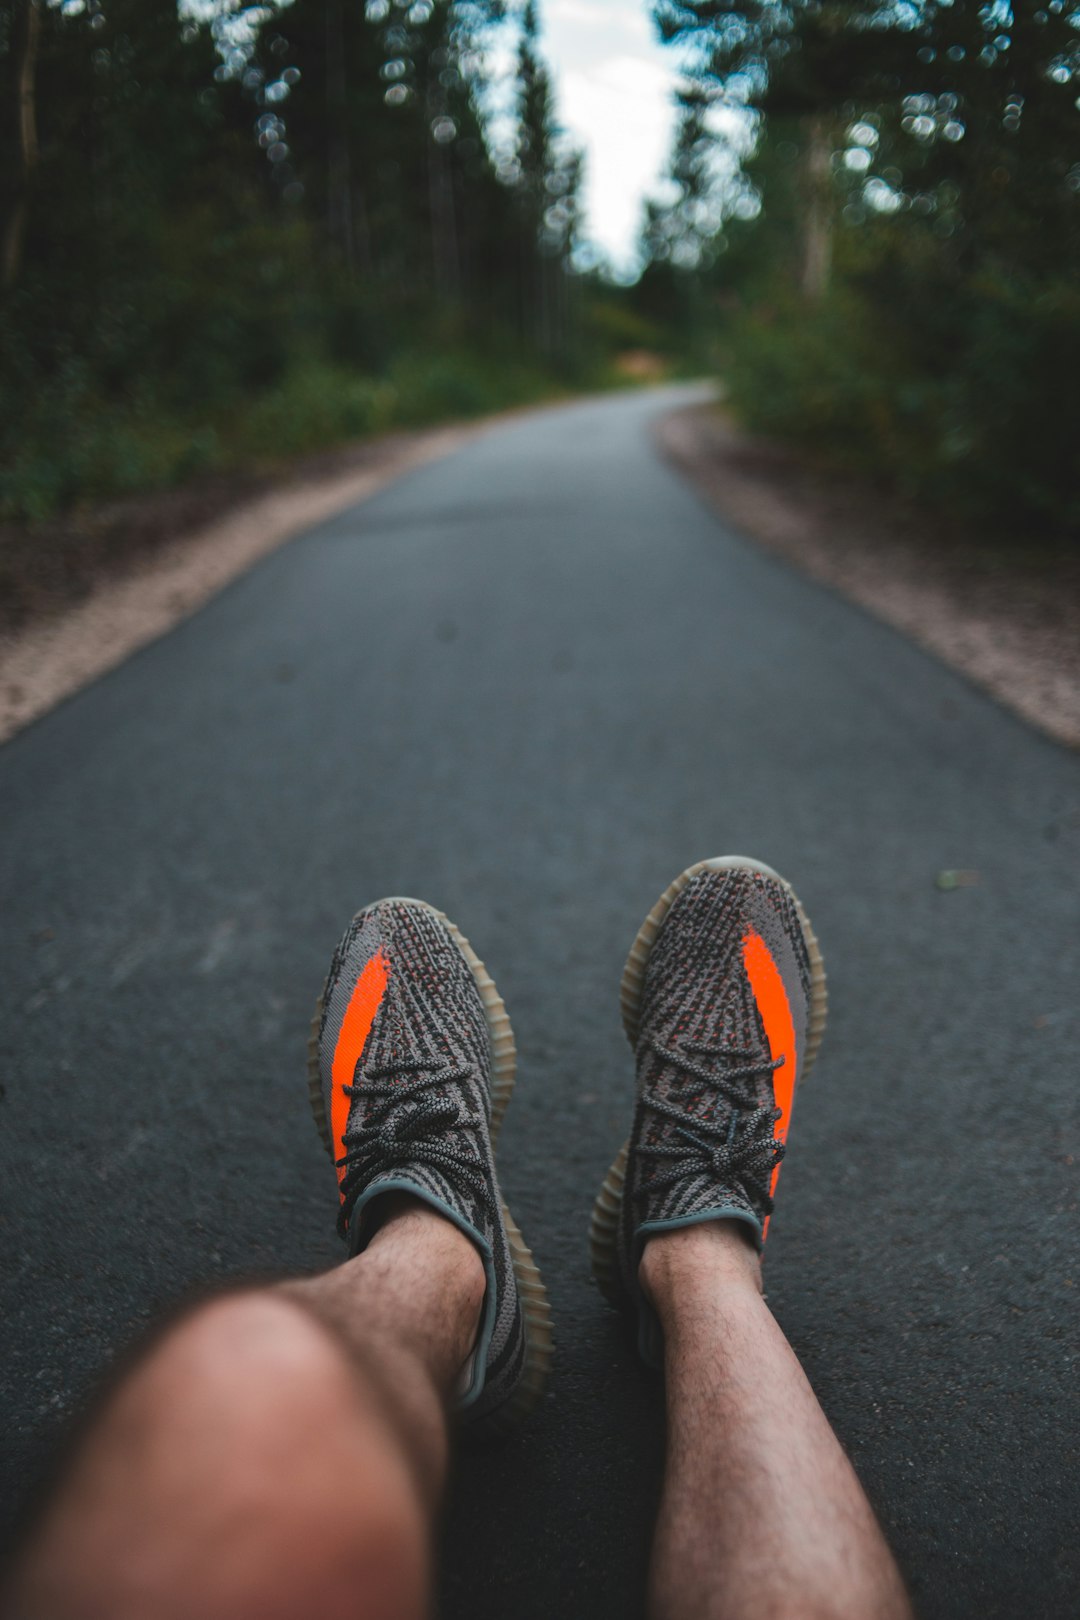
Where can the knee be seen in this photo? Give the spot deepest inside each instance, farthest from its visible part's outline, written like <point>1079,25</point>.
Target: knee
<point>240,1471</point>
<point>320,1498</point>
<point>254,1362</point>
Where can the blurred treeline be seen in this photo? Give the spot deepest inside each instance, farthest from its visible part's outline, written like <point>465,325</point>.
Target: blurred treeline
<point>873,221</point>
<point>232,233</point>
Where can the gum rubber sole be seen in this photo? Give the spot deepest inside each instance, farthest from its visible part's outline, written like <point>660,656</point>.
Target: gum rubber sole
<point>534,1301</point>
<point>604,1226</point>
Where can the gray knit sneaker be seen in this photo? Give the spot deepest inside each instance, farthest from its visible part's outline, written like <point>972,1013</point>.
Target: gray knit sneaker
<point>410,1068</point>
<point>724,1003</point>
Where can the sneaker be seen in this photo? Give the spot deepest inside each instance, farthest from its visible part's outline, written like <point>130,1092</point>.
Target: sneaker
<point>410,1068</point>
<point>724,1003</point>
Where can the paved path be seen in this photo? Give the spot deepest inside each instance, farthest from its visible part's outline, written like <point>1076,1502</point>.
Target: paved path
<point>532,683</point>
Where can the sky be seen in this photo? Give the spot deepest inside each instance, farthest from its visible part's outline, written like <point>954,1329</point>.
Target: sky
<point>614,87</point>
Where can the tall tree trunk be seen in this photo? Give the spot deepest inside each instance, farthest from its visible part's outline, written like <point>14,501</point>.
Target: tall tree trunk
<point>365,250</point>
<point>338,165</point>
<point>26,87</point>
<point>817,214</point>
<point>444,234</point>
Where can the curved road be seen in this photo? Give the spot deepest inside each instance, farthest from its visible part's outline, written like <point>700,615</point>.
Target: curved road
<point>532,682</point>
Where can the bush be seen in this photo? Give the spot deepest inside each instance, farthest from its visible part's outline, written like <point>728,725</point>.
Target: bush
<point>824,378</point>
<point>977,421</point>
<point>311,408</point>
<point>68,444</point>
<point>428,387</point>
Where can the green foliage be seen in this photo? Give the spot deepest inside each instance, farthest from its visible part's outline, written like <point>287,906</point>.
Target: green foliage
<point>905,299</point>
<point>77,447</point>
<point>74,446</point>
<point>815,378</point>
<point>971,413</point>
<point>616,324</point>
<point>308,409</point>
<point>233,240</point>
<point>429,387</point>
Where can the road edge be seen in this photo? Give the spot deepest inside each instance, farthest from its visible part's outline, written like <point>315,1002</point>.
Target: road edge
<point>982,632</point>
<point>49,660</point>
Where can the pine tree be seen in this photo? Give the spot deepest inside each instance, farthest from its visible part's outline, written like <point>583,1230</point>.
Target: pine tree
<point>24,38</point>
<point>930,153</point>
<point>548,179</point>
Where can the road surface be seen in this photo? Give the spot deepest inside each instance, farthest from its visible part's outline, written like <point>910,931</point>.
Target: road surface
<point>532,683</point>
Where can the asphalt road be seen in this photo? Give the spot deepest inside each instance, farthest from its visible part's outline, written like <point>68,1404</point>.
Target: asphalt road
<point>532,683</point>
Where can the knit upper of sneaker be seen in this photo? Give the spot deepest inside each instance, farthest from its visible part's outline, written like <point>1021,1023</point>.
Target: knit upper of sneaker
<point>405,1063</point>
<point>721,1032</point>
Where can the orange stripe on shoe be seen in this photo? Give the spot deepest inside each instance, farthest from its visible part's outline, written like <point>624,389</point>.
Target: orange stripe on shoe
<point>771,997</point>
<point>364,1003</point>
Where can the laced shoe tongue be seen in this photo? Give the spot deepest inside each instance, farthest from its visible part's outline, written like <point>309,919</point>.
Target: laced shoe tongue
<point>415,1117</point>
<point>732,1146</point>
<point>409,1125</point>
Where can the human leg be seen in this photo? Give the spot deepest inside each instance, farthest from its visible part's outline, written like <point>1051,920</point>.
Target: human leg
<point>280,1452</point>
<point>724,1003</point>
<point>277,1453</point>
<point>762,1513</point>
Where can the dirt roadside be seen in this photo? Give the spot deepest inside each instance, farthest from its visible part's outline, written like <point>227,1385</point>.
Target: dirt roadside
<point>129,573</point>
<point>1007,618</point>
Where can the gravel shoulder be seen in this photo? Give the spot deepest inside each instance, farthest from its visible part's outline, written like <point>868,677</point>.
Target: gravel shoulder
<point>106,583</point>
<point>1006,617</point>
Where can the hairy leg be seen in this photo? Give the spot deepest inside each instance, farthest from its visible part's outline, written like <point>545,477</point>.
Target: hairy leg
<point>277,1455</point>
<point>762,1513</point>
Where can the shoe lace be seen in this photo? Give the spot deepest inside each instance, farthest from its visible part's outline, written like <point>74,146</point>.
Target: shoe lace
<point>406,1125</point>
<point>738,1148</point>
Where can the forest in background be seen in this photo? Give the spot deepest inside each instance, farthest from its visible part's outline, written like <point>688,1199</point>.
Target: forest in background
<point>231,234</point>
<point>874,212</point>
